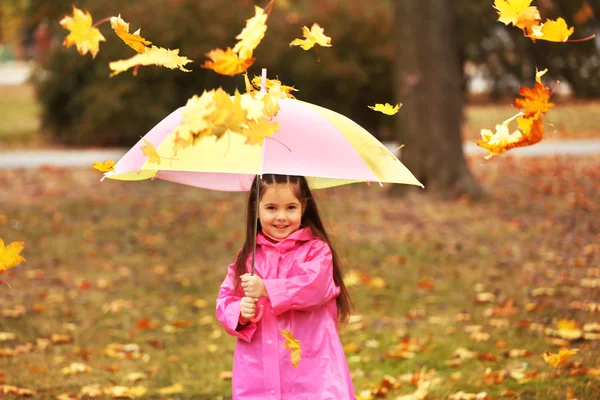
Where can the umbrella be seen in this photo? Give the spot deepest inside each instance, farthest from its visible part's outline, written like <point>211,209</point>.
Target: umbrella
<point>326,147</point>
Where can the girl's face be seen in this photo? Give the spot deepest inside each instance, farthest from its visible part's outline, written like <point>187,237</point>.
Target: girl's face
<point>279,211</point>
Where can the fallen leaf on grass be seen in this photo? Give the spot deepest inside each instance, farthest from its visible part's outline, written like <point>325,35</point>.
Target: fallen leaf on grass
<point>556,360</point>
<point>174,389</point>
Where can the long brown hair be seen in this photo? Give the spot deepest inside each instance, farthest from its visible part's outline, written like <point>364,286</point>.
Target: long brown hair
<point>310,218</point>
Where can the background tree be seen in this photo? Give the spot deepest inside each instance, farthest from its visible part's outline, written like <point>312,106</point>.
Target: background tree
<point>429,82</point>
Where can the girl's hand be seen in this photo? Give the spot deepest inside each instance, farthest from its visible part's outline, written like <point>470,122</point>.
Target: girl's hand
<point>247,309</point>
<point>253,286</point>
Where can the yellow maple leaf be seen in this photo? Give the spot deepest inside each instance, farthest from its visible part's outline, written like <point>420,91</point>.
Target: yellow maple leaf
<point>227,62</point>
<point>150,151</point>
<point>312,37</point>
<point>286,91</point>
<point>252,34</point>
<point>293,345</point>
<point>197,118</point>
<point>552,31</point>
<point>9,255</point>
<point>83,34</point>
<point>229,113</point>
<point>556,360</point>
<point>174,389</point>
<point>509,11</point>
<point>107,165</point>
<point>387,109</point>
<point>258,130</point>
<point>529,132</point>
<point>152,56</point>
<point>133,40</point>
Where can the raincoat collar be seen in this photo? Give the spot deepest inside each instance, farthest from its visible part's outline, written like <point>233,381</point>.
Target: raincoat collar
<point>290,242</point>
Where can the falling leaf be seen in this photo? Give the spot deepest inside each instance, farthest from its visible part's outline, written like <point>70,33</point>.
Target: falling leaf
<point>252,34</point>
<point>83,34</point>
<point>510,11</point>
<point>584,14</point>
<point>174,389</point>
<point>556,360</point>
<point>293,345</point>
<point>152,56</point>
<point>150,151</point>
<point>535,101</point>
<point>553,31</point>
<point>133,40</point>
<point>106,166</point>
<point>271,83</point>
<point>227,62</point>
<point>387,109</point>
<point>9,255</point>
<point>312,37</point>
<point>258,130</point>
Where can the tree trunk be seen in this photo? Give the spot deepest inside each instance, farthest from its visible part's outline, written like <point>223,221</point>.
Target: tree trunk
<point>428,78</point>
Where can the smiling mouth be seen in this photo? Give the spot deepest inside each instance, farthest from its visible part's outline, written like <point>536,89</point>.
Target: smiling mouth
<point>280,226</point>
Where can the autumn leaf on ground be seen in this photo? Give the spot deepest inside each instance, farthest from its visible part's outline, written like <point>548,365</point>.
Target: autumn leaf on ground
<point>152,56</point>
<point>106,166</point>
<point>174,389</point>
<point>293,345</point>
<point>9,255</point>
<point>556,360</point>
<point>312,37</point>
<point>387,109</point>
<point>83,34</point>
<point>553,31</point>
<point>133,40</point>
<point>227,62</point>
<point>150,151</point>
<point>252,34</point>
<point>124,392</point>
<point>76,369</point>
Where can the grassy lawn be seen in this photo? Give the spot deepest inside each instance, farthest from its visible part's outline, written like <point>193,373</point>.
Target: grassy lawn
<point>577,120</point>
<point>140,263</point>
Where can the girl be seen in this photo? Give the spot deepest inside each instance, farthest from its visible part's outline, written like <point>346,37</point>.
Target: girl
<point>299,282</point>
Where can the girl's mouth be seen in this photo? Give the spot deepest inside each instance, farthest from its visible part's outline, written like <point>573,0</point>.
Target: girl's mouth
<point>280,226</point>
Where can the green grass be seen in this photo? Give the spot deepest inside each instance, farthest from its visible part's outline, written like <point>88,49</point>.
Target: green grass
<point>19,115</point>
<point>103,256</point>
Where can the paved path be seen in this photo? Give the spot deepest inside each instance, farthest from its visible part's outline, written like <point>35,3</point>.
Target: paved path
<point>83,158</point>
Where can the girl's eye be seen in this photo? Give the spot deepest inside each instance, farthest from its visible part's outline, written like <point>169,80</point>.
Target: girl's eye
<point>291,207</point>
<point>270,207</point>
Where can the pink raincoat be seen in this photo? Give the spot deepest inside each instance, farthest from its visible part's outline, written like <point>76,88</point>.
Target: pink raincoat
<point>298,276</point>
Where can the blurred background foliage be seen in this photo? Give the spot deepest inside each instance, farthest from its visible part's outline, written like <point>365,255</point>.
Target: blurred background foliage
<point>83,106</point>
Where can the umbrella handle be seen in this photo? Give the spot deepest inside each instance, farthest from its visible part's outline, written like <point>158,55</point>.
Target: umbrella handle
<point>260,314</point>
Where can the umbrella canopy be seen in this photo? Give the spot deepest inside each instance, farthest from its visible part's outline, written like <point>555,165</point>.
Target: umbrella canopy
<point>327,148</point>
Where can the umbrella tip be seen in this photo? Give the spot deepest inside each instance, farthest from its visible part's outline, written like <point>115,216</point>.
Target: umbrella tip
<point>263,81</point>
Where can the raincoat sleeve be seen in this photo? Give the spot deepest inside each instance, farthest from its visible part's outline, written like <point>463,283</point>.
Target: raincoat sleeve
<point>228,308</point>
<point>310,288</point>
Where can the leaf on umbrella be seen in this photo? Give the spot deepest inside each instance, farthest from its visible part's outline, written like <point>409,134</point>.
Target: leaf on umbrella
<point>196,118</point>
<point>83,34</point>
<point>252,34</point>
<point>556,360</point>
<point>150,151</point>
<point>10,255</point>
<point>273,84</point>
<point>230,113</point>
<point>227,62</point>
<point>312,37</point>
<point>106,166</point>
<point>386,108</point>
<point>152,56</point>
<point>258,130</point>
<point>133,40</point>
<point>552,31</point>
<point>293,345</point>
